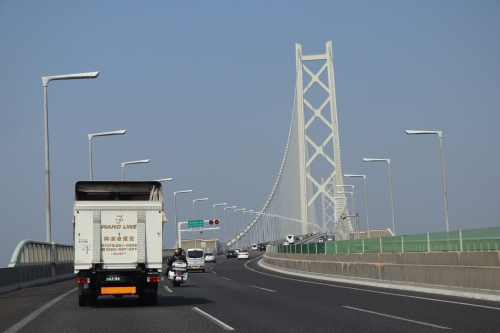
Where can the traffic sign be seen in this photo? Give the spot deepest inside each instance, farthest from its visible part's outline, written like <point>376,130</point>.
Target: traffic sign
<point>216,221</point>
<point>195,223</point>
<point>211,222</point>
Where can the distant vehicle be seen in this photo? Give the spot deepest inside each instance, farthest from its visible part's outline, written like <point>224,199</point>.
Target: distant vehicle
<point>301,238</point>
<point>196,259</point>
<point>178,274</point>
<point>231,254</point>
<point>286,243</point>
<point>321,240</point>
<point>290,239</point>
<point>329,238</point>
<point>261,247</point>
<point>237,250</point>
<point>243,254</point>
<point>210,256</point>
<point>254,247</point>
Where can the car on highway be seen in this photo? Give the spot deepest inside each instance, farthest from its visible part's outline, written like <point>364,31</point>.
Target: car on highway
<point>321,240</point>
<point>195,259</point>
<point>286,243</point>
<point>231,254</point>
<point>254,247</point>
<point>329,238</point>
<point>210,256</point>
<point>261,247</point>
<point>243,254</point>
<point>237,250</point>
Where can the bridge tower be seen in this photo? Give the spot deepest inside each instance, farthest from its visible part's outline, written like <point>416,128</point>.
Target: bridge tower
<point>324,145</point>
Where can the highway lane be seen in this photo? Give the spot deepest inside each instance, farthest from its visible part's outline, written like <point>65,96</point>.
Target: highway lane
<point>236,294</point>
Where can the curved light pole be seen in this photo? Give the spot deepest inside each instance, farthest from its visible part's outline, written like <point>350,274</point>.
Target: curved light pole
<point>221,204</point>
<point>440,134</point>
<point>246,211</point>
<point>388,160</point>
<point>100,134</point>
<point>178,240</point>
<point>366,199</point>
<point>45,82</point>
<point>194,215</point>
<point>225,224</point>
<point>235,228</point>
<point>132,162</point>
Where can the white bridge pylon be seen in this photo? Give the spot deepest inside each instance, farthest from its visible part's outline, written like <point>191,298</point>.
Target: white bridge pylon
<point>298,195</point>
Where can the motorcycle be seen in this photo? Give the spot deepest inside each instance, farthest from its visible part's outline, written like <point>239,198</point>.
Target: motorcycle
<point>178,273</point>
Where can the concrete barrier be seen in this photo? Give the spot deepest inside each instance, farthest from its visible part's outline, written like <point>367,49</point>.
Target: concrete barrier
<point>468,270</point>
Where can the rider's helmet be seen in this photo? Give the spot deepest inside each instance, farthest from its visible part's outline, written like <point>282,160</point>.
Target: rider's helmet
<point>177,252</point>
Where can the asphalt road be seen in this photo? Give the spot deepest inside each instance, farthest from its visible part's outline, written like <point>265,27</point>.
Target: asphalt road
<point>240,295</point>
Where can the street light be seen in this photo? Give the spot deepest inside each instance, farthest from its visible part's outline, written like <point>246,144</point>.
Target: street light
<point>100,134</point>
<point>178,240</point>
<point>132,162</point>
<point>235,231</point>
<point>366,197</point>
<point>221,204</point>
<point>194,216</point>
<point>440,134</point>
<point>388,160</point>
<point>225,224</point>
<point>45,82</point>
<point>246,211</point>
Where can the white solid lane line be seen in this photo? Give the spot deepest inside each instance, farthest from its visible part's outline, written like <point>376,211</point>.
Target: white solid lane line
<point>167,289</point>
<point>16,327</point>
<point>386,315</point>
<point>225,278</point>
<point>273,291</point>
<point>213,319</point>
<point>366,290</point>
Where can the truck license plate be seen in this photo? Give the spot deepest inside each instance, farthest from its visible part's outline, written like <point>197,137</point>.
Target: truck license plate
<point>195,267</point>
<point>112,278</point>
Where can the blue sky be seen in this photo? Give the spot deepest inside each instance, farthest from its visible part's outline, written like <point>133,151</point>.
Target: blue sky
<point>205,90</point>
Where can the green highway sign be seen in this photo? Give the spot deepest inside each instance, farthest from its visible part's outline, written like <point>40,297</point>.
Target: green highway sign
<point>195,223</point>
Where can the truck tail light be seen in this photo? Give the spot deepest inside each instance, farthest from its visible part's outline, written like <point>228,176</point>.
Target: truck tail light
<point>154,279</point>
<point>82,280</point>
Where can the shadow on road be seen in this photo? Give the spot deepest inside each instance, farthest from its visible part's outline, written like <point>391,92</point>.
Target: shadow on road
<point>163,301</point>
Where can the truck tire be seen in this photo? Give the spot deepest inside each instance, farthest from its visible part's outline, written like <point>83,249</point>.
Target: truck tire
<point>92,299</point>
<point>82,301</point>
<point>153,299</point>
<point>143,298</point>
<point>203,271</point>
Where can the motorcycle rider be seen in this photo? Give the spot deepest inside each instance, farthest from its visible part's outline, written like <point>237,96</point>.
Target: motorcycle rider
<point>177,256</point>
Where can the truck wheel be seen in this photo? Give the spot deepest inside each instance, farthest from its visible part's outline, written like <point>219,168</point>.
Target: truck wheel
<point>143,298</point>
<point>203,271</point>
<point>82,301</point>
<point>153,299</point>
<point>93,299</point>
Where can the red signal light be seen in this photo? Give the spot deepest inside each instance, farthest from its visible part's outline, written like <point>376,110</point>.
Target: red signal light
<point>211,222</point>
<point>216,221</point>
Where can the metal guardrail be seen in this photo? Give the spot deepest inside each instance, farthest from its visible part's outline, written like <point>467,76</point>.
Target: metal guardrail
<point>487,239</point>
<point>29,252</point>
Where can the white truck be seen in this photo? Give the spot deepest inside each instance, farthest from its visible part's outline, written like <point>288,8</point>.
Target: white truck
<point>118,232</point>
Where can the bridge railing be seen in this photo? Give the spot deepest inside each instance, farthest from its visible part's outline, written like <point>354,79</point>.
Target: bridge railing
<point>487,239</point>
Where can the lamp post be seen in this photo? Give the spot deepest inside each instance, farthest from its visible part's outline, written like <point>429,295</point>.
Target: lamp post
<point>194,215</point>
<point>440,134</point>
<point>45,82</point>
<point>353,201</point>
<point>178,240</point>
<point>100,134</point>
<point>132,162</point>
<point>366,199</point>
<point>246,211</point>
<point>388,160</point>
<point>221,204</point>
<point>235,229</point>
<point>225,224</point>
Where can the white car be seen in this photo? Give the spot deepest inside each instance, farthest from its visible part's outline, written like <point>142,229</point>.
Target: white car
<point>237,250</point>
<point>286,243</point>
<point>243,254</point>
<point>320,240</point>
<point>210,256</point>
<point>254,247</point>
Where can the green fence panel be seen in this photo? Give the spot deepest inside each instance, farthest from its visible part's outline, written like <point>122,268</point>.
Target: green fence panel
<point>372,245</point>
<point>304,248</point>
<point>391,244</point>
<point>487,239</point>
<point>312,248</point>
<point>445,241</point>
<point>329,246</point>
<point>322,247</point>
<point>342,246</point>
<point>356,246</point>
<point>415,243</point>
